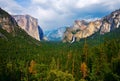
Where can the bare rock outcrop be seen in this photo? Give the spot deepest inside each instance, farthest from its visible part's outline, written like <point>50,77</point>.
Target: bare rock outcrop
<point>82,29</point>
<point>7,22</point>
<point>29,24</point>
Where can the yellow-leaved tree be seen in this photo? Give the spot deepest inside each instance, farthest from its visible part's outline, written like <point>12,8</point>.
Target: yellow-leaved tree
<point>32,69</point>
<point>83,69</point>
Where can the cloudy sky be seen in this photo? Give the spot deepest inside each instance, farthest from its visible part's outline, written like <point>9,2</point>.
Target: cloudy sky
<point>52,14</point>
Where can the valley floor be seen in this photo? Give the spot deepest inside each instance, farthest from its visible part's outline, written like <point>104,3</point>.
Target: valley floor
<point>56,61</point>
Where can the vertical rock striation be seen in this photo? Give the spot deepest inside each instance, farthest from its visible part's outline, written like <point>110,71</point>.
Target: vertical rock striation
<point>29,24</point>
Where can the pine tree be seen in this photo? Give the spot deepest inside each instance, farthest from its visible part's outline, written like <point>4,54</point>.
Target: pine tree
<point>85,52</point>
<point>58,63</point>
<point>83,66</point>
<point>53,64</point>
<point>73,66</point>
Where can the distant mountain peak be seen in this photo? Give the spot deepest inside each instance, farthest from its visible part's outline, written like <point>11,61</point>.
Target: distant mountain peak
<point>55,35</point>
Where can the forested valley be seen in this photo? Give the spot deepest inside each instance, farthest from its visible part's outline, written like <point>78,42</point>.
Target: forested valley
<point>91,59</point>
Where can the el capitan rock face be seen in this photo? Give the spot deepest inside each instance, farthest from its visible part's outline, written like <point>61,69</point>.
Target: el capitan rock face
<point>82,29</point>
<point>29,24</point>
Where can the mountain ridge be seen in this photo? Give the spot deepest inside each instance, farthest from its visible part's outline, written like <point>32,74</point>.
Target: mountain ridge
<point>17,33</point>
<point>7,22</point>
<point>82,29</point>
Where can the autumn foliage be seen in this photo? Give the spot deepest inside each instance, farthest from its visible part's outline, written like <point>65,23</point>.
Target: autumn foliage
<point>32,67</point>
<point>83,69</point>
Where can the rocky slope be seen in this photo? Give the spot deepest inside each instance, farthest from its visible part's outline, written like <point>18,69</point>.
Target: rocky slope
<point>7,22</point>
<point>82,29</point>
<point>12,34</point>
<point>29,24</point>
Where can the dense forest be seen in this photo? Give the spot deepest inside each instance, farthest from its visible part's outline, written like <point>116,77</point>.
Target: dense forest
<point>96,58</point>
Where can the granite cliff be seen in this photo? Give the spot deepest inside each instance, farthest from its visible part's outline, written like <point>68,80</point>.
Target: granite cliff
<point>12,34</point>
<point>29,24</point>
<point>82,29</point>
<point>7,22</point>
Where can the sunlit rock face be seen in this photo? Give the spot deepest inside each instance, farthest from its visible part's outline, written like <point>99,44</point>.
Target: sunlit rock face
<point>105,27</point>
<point>79,25</point>
<point>110,22</point>
<point>29,24</point>
<point>90,29</point>
<point>7,22</point>
<point>82,29</point>
<point>68,35</point>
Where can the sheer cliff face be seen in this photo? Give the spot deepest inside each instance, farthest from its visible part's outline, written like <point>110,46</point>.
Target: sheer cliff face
<point>29,24</point>
<point>110,22</point>
<point>91,28</point>
<point>68,35</point>
<point>82,29</point>
<point>81,25</point>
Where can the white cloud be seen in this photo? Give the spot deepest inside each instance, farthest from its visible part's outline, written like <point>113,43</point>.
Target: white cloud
<point>113,4</point>
<point>57,13</point>
<point>11,6</point>
<point>85,3</point>
<point>39,1</point>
